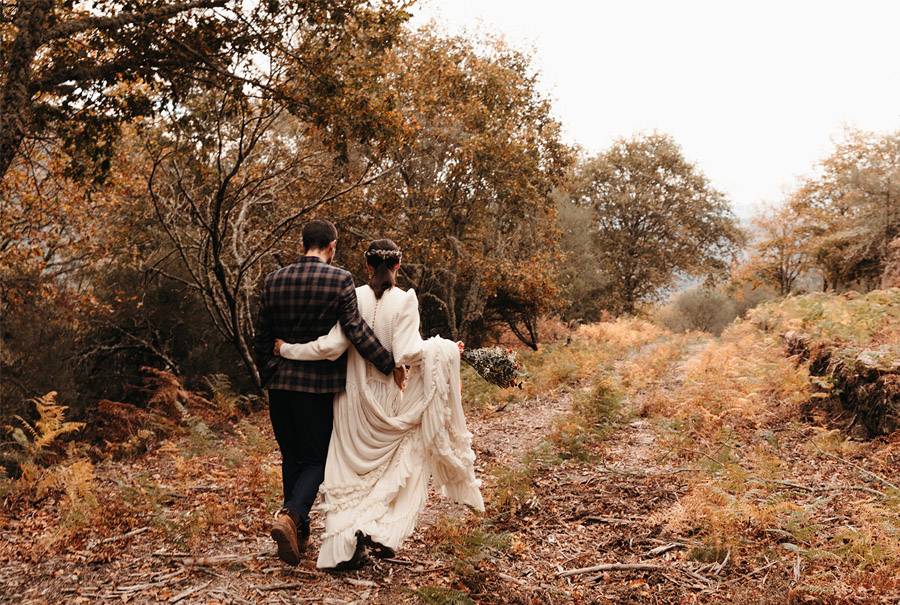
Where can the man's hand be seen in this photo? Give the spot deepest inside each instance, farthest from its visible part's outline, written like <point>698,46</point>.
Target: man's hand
<point>462,347</point>
<point>278,343</point>
<point>400,376</point>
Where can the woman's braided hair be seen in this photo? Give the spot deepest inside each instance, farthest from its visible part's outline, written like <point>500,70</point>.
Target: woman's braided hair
<point>383,255</point>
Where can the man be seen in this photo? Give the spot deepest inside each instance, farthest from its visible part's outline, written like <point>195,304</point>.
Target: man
<point>301,302</point>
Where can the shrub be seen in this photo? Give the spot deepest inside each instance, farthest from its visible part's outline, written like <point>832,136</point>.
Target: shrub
<point>699,308</point>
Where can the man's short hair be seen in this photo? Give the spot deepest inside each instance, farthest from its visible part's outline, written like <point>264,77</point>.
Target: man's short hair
<point>318,234</point>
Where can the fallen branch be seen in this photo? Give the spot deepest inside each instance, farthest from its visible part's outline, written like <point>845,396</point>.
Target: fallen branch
<point>664,548</point>
<point>227,595</point>
<point>162,582</point>
<point>509,578</point>
<point>847,462</point>
<point>674,580</point>
<point>615,519</point>
<point>133,532</point>
<point>283,586</point>
<point>188,592</point>
<point>696,576</point>
<point>171,555</point>
<point>213,559</point>
<point>747,576</point>
<point>857,467</point>
<point>400,561</point>
<point>435,569</point>
<point>718,568</point>
<point>611,567</point>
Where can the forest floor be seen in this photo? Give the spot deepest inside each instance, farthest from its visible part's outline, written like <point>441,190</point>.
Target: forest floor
<point>635,466</point>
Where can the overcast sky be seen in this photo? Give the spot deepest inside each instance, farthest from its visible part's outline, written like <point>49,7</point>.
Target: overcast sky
<point>754,92</point>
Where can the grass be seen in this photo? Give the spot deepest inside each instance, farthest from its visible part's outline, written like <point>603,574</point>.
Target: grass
<point>581,369</point>
<point>558,368</point>
<point>596,412</point>
<point>767,483</point>
<point>762,479</point>
<point>437,595</point>
<point>470,546</point>
<point>872,318</point>
<point>739,382</point>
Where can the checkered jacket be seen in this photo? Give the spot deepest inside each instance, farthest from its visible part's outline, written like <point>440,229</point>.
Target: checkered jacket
<point>299,303</point>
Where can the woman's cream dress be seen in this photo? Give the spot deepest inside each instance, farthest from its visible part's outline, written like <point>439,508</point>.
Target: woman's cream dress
<point>387,443</point>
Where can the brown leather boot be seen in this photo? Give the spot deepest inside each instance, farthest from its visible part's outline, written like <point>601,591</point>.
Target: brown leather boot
<point>303,537</point>
<point>284,532</point>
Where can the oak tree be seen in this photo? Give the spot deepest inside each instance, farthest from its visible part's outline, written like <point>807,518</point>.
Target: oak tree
<point>468,194</point>
<point>852,206</point>
<point>654,218</point>
<point>779,254</point>
<point>74,71</point>
<point>230,179</point>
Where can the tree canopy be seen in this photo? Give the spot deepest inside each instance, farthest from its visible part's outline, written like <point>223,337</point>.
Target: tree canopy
<point>853,207</point>
<point>779,255</point>
<point>654,218</point>
<point>73,71</point>
<point>467,192</point>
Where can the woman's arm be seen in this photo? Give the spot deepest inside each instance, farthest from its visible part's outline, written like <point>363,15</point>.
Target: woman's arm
<point>406,341</point>
<point>331,346</point>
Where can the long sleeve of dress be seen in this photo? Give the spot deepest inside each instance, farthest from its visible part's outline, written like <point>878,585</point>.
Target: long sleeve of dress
<point>407,343</point>
<point>330,346</point>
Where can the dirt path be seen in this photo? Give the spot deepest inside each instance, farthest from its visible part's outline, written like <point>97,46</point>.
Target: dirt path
<point>143,566</point>
<point>570,515</point>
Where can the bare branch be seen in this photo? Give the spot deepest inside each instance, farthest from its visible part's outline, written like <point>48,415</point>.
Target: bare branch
<point>71,27</point>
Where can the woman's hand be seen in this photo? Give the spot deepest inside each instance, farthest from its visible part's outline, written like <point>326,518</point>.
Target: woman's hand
<point>400,377</point>
<point>278,343</point>
<point>461,346</point>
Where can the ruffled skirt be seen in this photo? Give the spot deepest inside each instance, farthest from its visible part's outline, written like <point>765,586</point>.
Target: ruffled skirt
<point>385,445</point>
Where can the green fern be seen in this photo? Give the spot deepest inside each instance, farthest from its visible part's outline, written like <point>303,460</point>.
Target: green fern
<point>435,595</point>
<point>226,399</point>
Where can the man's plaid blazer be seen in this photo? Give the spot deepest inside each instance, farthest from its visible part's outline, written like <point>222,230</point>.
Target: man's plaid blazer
<point>299,303</point>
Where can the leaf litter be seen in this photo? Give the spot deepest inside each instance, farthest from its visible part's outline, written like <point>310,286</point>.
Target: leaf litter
<point>668,496</point>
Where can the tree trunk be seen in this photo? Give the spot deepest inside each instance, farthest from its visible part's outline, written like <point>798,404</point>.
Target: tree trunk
<point>246,356</point>
<point>531,341</point>
<point>451,308</point>
<point>15,98</point>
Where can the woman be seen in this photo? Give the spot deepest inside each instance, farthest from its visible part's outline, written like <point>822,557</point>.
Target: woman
<point>385,442</point>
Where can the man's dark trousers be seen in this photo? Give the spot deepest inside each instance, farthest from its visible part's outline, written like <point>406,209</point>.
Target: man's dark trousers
<point>302,424</point>
<point>299,303</point>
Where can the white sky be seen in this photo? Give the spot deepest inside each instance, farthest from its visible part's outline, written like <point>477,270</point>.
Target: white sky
<point>754,92</point>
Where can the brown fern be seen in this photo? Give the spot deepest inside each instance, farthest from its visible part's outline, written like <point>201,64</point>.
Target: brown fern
<point>169,393</point>
<point>50,424</point>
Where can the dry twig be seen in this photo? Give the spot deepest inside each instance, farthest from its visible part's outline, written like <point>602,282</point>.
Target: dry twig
<point>611,567</point>
<point>748,575</point>
<point>213,559</point>
<point>188,592</point>
<point>133,532</point>
<point>664,548</point>
<point>615,519</point>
